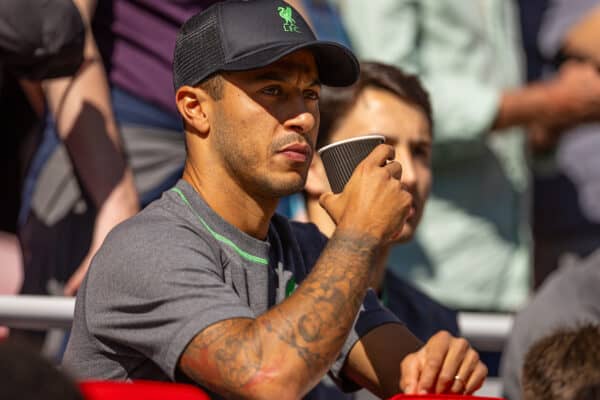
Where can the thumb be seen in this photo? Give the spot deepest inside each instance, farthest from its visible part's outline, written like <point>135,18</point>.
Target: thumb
<point>328,201</point>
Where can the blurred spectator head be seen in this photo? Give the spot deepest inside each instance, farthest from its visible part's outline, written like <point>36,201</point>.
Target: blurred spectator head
<point>26,375</point>
<point>562,366</point>
<point>46,42</point>
<point>384,101</point>
<point>336,103</point>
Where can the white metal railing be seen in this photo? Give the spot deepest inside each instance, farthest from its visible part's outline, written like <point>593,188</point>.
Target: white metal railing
<point>485,331</point>
<point>36,312</point>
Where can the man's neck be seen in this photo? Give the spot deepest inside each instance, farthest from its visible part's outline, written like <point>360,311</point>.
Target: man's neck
<point>236,206</point>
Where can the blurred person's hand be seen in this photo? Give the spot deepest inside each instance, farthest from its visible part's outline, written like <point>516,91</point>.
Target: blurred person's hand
<point>573,96</point>
<point>570,98</point>
<point>445,364</point>
<point>543,138</point>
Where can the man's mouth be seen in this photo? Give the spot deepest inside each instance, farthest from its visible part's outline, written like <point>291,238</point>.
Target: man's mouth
<point>299,152</point>
<point>412,211</point>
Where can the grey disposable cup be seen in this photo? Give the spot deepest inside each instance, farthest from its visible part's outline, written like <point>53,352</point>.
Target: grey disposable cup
<point>341,158</point>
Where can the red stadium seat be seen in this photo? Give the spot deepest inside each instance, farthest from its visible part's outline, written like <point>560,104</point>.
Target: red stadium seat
<point>140,390</point>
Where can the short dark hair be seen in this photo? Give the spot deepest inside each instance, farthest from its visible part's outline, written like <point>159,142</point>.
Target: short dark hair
<point>213,86</point>
<point>335,103</point>
<point>558,366</point>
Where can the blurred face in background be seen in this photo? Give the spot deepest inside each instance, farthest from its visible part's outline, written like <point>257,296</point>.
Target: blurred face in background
<point>405,127</point>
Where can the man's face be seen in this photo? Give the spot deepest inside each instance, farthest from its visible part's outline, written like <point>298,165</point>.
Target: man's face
<point>406,128</point>
<point>265,125</point>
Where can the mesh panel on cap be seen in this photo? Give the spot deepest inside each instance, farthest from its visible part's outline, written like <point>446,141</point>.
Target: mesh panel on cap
<point>198,51</point>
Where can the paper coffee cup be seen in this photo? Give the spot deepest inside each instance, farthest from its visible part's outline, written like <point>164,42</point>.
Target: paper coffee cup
<point>340,159</point>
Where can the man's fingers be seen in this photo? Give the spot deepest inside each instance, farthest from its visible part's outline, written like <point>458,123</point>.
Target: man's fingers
<point>476,379</point>
<point>447,364</point>
<point>433,355</point>
<point>380,155</point>
<point>395,169</point>
<point>410,372</point>
<point>463,375</point>
<point>456,354</point>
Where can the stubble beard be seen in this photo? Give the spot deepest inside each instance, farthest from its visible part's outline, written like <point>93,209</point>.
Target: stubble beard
<point>245,170</point>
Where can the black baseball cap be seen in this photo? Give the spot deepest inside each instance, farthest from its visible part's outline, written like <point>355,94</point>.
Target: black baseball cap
<point>239,35</point>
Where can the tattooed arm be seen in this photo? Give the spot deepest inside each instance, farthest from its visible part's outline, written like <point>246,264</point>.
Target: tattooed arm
<point>286,351</point>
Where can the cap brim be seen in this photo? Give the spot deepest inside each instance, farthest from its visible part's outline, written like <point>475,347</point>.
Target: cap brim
<point>337,65</point>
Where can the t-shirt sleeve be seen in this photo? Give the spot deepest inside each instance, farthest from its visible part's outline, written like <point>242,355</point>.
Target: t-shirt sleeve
<point>154,297</point>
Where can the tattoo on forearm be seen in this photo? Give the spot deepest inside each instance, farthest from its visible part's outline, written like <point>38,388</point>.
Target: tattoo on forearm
<point>315,325</point>
<point>331,299</point>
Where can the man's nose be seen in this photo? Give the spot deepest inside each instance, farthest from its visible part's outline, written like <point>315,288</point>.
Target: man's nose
<point>301,121</point>
<point>409,176</point>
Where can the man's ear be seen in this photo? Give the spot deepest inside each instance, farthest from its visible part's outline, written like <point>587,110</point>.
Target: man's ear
<point>316,181</point>
<point>194,106</point>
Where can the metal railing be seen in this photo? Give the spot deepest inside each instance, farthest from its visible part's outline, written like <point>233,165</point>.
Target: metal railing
<point>36,312</point>
<point>485,331</point>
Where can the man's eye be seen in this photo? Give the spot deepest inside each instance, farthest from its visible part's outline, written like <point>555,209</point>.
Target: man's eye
<point>422,152</point>
<point>272,91</point>
<point>311,94</point>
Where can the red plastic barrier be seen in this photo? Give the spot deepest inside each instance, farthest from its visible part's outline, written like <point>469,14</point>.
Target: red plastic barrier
<point>140,390</point>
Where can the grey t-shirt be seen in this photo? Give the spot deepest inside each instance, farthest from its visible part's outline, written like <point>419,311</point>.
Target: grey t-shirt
<point>176,268</point>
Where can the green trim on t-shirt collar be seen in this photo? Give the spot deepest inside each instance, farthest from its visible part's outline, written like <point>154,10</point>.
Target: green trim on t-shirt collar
<point>220,237</point>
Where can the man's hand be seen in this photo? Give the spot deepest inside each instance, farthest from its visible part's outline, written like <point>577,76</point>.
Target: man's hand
<point>542,138</point>
<point>373,201</point>
<point>445,364</point>
<point>573,96</point>
<point>569,99</point>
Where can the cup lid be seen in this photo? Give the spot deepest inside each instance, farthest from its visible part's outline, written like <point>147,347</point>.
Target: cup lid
<point>354,139</point>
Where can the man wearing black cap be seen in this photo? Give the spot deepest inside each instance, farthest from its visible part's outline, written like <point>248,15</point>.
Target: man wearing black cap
<point>208,284</point>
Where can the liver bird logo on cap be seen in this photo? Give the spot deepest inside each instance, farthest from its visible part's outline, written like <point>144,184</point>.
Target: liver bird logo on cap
<point>289,23</point>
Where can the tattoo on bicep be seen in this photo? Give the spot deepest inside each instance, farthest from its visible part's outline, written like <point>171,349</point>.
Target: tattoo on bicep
<point>231,352</point>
